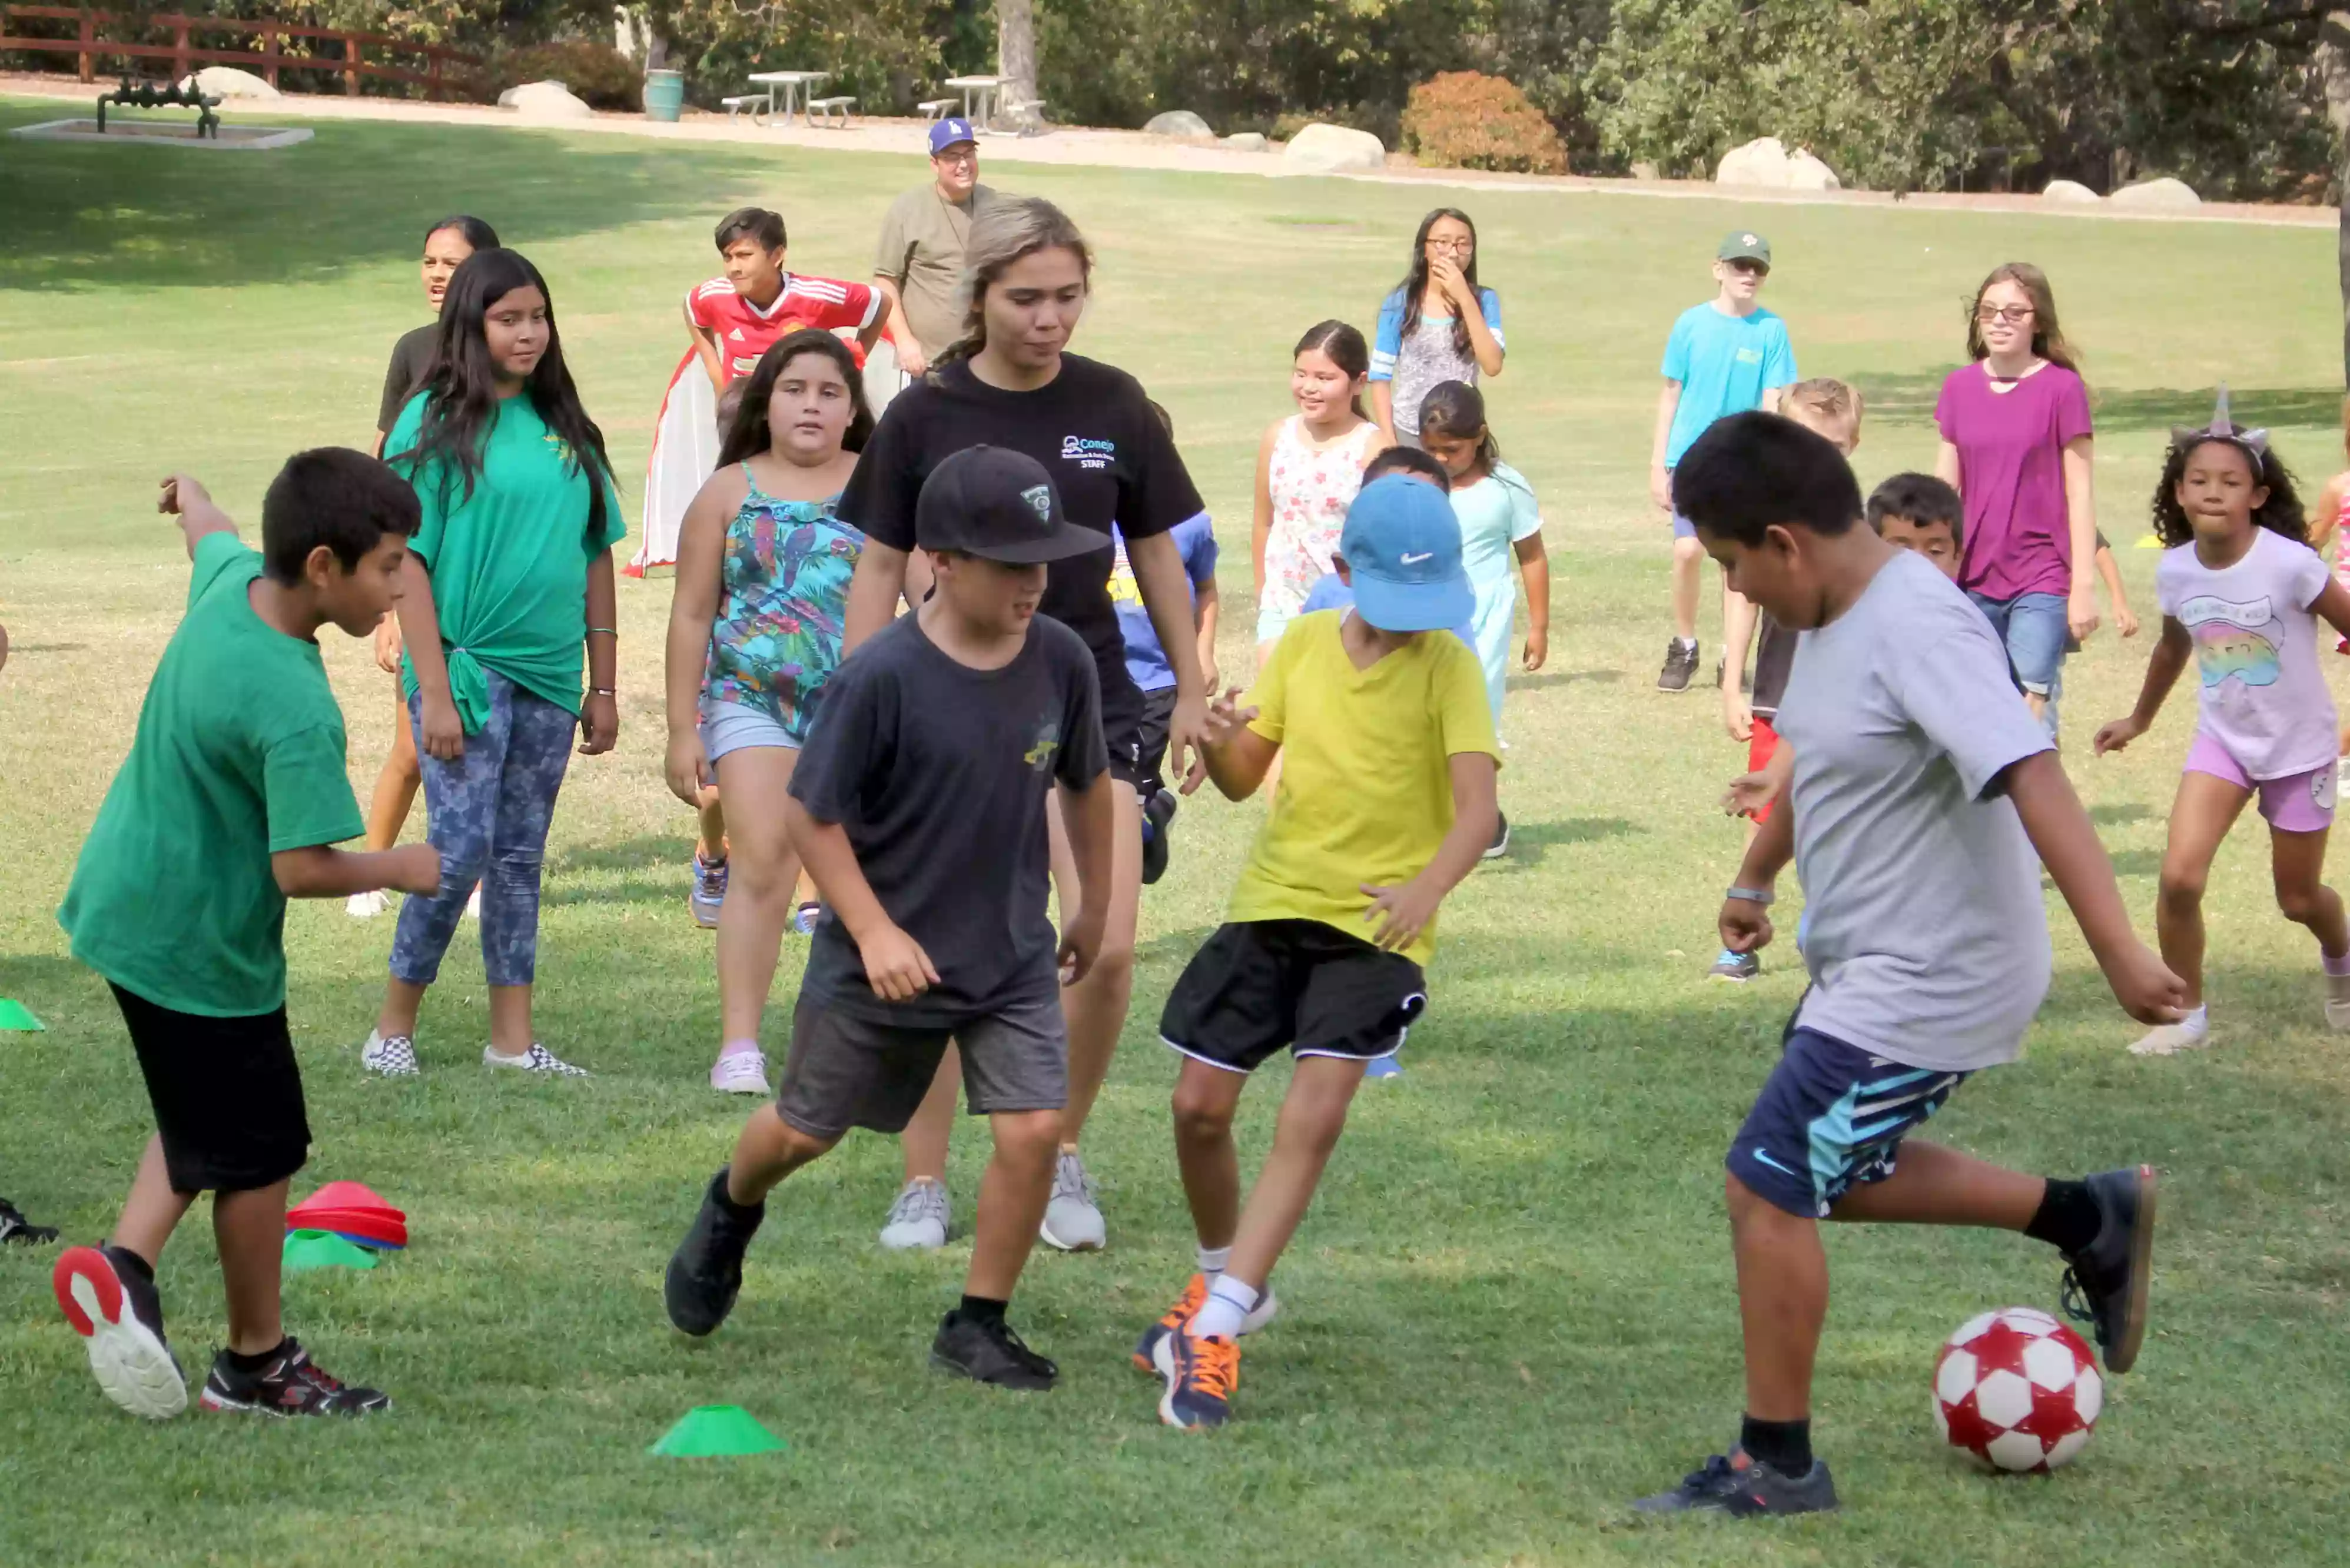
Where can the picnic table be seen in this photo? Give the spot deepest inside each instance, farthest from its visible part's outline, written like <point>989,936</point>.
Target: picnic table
<point>978,96</point>
<point>791,84</point>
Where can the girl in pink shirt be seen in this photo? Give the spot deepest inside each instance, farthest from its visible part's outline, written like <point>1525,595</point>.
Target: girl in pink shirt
<point>2241,595</point>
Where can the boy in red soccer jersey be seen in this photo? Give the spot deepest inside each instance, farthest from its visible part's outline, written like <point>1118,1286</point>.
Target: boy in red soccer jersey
<point>733,318</point>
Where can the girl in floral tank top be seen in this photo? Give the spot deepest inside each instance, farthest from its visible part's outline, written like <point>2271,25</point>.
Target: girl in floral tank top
<point>755,633</point>
<point>1309,466</point>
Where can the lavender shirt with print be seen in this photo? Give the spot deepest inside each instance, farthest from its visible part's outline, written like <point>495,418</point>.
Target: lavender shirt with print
<point>2260,694</point>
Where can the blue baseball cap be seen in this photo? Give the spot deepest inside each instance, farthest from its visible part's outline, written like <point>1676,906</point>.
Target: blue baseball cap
<point>950,132</point>
<point>1402,545</point>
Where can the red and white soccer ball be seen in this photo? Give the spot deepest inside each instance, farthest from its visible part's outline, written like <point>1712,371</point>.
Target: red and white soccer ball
<point>2017,1389</point>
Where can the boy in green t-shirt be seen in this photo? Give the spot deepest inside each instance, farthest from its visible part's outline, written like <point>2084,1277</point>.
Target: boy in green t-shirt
<point>1386,802</point>
<point>226,806</point>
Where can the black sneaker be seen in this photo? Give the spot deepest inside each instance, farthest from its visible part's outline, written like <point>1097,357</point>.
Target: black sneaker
<point>290,1384</point>
<point>1735,968</point>
<point>1680,663</point>
<point>2106,1282</point>
<point>1158,816</point>
<point>706,1273</point>
<point>17,1229</point>
<point>1501,845</point>
<point>108,1296</point>
<point>989,1351</point>
<point>1744,1487</point>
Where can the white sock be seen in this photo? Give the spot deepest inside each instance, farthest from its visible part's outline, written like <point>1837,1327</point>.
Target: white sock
<point>735,1047</point>
<point>1229,1302</point>
<point>1213,1261</point>
<point>2197,1023</point>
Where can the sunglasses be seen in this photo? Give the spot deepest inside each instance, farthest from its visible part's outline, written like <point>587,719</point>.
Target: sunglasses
<point>2011,315</point>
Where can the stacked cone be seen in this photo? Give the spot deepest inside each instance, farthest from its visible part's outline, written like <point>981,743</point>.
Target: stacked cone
<point>353,1211</point>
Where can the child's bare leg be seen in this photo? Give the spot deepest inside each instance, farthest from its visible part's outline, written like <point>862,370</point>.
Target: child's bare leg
<point>1689,556</point>
<point>2298,863</point>
<point>924,1141</point>
<point>758,892</point>
<point>1012,1198</point>
<point>395,785</point>
<point>2205,809</point>
<point>1933,1184</point>
<point>152,1210</point>
<point>250,1228</point>
<point>712,843</point>
<point>1096,1006</point>
<point>1205,1099</point>
<point>1783,1301</point>
<point>769,1149</point>
<point>1312,1114</point>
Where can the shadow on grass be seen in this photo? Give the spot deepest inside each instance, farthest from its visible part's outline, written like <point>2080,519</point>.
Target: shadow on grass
<point>1562,677</point>
<point>2114,815</point>
<point>2138,863</point>
<point>1530,841</point>
<point>646,850</point>
<point>81,217</point>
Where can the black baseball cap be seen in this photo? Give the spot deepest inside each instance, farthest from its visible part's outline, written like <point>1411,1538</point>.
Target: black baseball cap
<point>1000,505</point>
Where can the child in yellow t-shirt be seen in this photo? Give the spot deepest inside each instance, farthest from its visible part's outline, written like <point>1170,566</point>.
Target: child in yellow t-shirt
<point>1386,802</point>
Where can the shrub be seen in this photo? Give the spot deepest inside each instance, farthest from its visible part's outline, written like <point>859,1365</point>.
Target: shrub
<point>595,72</point>
<point>1461,120</point>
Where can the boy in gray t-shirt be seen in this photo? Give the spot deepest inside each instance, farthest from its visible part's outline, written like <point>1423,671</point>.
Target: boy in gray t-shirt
<point>1924,804</point>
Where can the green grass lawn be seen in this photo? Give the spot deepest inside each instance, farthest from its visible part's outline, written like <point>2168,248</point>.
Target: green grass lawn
<point>1511,1310</point>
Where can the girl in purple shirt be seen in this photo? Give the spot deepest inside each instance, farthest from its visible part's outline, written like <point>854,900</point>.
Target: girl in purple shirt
<point>2016,444</point>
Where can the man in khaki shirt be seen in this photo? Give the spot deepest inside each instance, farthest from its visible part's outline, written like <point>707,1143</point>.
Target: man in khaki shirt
<point>919,267</point>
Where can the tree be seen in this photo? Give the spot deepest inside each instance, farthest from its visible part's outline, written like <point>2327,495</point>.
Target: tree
<point>1015,48</point>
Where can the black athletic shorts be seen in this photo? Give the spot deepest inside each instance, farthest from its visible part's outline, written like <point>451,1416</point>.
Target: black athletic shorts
<point>848,1071</point>
<point>1121,718</point>
<point>226,1093</point>
<point>1259,985</point>
<point>1150,741</point>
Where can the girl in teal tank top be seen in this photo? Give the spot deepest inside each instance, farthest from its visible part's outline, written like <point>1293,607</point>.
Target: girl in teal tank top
<point>755,632</point>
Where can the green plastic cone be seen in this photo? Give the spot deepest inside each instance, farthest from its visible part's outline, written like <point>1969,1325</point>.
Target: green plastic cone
<point>306,1249</point>
<point>715,1431</point>
<point>15,1014</point>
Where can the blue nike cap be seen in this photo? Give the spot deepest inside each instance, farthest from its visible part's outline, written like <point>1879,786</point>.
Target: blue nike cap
<point>951,132</point>
<point>1402,545</point>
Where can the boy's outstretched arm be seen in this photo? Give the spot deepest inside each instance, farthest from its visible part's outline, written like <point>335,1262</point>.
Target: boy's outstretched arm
<point>1745,922</point>
<point>321,871</point>
<point>1235,758</point>
<point>188,499</point>
<point>2067,845</point>
<point>1401,912</point>
<point>1091,819</point>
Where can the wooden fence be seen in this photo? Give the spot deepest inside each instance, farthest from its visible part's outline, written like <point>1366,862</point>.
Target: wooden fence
<point>90,45</point>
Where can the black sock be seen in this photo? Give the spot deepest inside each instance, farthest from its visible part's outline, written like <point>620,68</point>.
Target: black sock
<point>125,1261</point>
<point>982,1309</point>
<point>2068,1219</point>
<point>1784,1446</point>
<point>249,1365</point>
<point>746,1212</point>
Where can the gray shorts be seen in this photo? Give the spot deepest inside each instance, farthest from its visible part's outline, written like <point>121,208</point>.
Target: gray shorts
<point>845,1070</point>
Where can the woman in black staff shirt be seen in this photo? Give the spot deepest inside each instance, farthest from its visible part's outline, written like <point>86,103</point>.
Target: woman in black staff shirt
<point>1008,383</point>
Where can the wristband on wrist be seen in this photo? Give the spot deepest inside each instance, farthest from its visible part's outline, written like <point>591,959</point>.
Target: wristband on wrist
<point>602,691</point>
<point>1762,896</point>
<point>605,630</point>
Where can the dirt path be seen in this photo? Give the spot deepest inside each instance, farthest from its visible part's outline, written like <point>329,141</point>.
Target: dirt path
<point>1133,150</point>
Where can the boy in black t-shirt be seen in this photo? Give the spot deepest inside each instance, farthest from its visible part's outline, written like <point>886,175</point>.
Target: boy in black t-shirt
<point>1829,408</point>
<point>919,806</point>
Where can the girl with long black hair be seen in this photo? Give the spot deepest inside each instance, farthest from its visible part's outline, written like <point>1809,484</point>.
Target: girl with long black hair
<point>509,576</point>
<point>755,633</point>
<point>1438,325</point>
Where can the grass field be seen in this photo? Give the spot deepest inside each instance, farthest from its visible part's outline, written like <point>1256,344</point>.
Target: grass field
<point>1511,1310</point>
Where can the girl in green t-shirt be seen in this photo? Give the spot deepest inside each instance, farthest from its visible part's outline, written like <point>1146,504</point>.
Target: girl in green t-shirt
<point>509,577</point>
<point>755,633</point>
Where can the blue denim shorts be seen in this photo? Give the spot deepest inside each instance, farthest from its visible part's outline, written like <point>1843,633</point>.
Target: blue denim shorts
<point>732,726</point>
<point>1830,1118</point>
<point>2034,627</point>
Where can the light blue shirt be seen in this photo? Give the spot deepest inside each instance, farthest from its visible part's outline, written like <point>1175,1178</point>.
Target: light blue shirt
<point>1146,660</point>
<point>1724,364</point>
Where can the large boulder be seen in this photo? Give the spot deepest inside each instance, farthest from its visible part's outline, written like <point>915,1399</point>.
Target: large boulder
<point>1808,172</point>
<point>1246,141</point>
<point>1766,162</point>
<point>1322,149</point>
<point>228,82</point>
<point>1177,122</point>
<point>2068,192</point>
<point>543,100</point>
<point>2165,192</point>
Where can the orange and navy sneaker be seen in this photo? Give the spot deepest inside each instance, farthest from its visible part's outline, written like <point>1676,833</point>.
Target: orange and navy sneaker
<point>1194,1295</point>
<point>1201,1375</point>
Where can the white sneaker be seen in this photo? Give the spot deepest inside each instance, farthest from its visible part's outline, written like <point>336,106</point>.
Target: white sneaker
<point>708,893</point>
<point>740,1073</point>
<point>2337,1002</point>
<point>473,903</point>
<point>537,1059</point>
<point>389,1056</point>
<point>919,1219</point>
<point>2169,1039</point>
<point>1073,1222</point>
<point>367,905</point>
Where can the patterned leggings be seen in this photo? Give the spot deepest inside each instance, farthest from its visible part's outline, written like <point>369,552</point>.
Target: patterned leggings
<point>487,814</point>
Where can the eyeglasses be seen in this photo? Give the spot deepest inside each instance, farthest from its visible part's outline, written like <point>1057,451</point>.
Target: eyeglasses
<point>1458,247</point>
<point>967,155</point>
<point>2010,315</point>
<point>1748,267</point>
